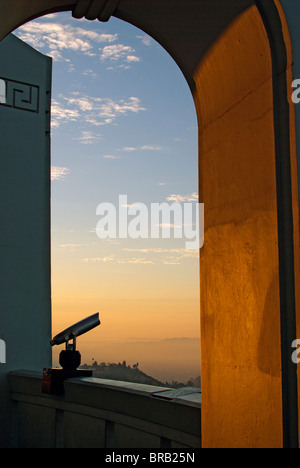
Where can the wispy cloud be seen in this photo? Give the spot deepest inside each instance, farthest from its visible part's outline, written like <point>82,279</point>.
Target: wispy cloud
<point>111,156</point>
<point>60,114</point>
<point>151,256</point>
<point>113,259</point>
<point>132,58</point>
<point>59,173</point>
<point>193,197</point>
<point>92,110</point>
<point>183,253</point>
<point>89,138</point>
<point>120,53</point>
<point>53,38</point>
<point>146,40</point>
<point>168,256</point>
<point>130,149</point>
<point>152,148</point>
<point>89,72</point>
<point>57,40</point>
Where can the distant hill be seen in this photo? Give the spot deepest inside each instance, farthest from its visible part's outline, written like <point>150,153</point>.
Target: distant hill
<point>126,373</point>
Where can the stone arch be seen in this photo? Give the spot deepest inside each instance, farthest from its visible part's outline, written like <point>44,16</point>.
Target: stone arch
<point>236,57</point>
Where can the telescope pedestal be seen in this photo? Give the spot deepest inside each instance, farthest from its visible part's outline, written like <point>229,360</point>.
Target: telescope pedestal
<point>53,379</point>
<point>69,359</point>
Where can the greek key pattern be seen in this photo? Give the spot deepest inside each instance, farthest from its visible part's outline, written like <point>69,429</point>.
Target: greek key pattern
<point>95,9</point>
<point>19,95</point>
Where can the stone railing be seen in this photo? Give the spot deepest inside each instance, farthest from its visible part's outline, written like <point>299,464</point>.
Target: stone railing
<point>97,413</point>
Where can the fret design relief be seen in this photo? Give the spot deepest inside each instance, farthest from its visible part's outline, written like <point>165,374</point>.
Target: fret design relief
<point>19,95</point>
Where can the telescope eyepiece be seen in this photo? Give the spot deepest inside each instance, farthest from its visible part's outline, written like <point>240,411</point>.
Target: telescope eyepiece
<point>78,329</point>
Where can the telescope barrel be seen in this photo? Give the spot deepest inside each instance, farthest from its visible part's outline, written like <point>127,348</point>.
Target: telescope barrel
<point>76,330</point>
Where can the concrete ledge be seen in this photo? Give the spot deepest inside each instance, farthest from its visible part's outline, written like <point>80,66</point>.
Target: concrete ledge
<point>101,413</point>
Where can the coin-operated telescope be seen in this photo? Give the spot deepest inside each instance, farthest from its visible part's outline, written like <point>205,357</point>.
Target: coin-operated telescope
<point>70,358</point>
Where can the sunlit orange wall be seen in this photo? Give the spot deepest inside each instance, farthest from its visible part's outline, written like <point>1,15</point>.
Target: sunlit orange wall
<point>240,318</point>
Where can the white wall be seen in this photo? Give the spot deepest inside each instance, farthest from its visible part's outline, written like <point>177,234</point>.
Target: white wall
<point>25,307</point>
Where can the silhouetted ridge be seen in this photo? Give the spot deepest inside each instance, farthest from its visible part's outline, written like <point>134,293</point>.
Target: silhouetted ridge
<point>133,374</point>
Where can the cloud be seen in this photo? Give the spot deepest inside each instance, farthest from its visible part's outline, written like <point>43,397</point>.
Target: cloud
<point>111,156</point>
<point>59,173</point>
<point>54,38</point>
<point>110,259</point>
<point>150,256</point>
<point>119,52</point>
<point>90,72</point>
<point>89,138</point>
<point>92,110</point>
<point>183,253</point>
<point>193,197</point>
<point>151,148</point>
<point>132,58</point>
<point>167,256</point>
<point>61,114</point>
<point>129,149</point>
<point>141,261</point>
<point>146,40</point>
<point>113,259</point>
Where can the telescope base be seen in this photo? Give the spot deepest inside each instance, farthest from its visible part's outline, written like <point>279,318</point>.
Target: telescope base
<point>53,379</point>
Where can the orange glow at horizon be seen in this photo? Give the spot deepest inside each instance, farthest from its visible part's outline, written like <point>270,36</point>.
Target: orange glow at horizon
<point>149,313</point>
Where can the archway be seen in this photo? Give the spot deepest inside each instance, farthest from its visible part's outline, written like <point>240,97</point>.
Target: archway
<point>238,64</point>
<point>123,129</point>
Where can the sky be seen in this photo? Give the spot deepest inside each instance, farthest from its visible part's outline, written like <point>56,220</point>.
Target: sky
<point>123,123</point>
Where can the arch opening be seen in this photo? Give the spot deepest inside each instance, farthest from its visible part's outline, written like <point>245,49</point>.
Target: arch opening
<point>122,134</point>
